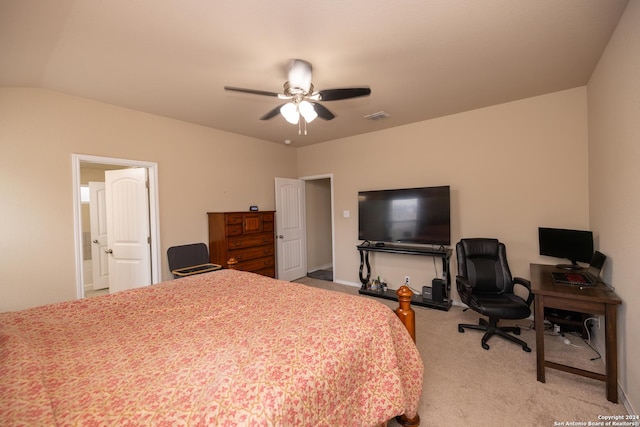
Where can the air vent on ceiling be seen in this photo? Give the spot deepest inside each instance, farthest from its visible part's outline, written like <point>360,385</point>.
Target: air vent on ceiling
<point>377,116</point>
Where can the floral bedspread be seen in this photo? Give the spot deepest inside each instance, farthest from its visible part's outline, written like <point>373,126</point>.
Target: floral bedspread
<point>223,348</point>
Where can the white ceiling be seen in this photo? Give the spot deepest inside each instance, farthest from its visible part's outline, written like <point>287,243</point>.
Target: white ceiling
<point>421,58</point>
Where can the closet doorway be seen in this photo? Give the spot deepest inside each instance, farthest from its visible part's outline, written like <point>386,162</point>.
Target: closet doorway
<point>93,169</point>
<point>320,226</point>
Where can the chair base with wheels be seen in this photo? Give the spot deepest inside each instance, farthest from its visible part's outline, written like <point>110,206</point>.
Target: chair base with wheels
<point>491,327</point>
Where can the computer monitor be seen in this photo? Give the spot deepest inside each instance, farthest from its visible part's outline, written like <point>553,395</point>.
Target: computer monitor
<point>574,245</point>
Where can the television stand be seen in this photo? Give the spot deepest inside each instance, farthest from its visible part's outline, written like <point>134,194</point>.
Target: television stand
<point>417,299</point>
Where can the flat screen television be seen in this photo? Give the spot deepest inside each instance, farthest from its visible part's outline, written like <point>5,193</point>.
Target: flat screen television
<point>408,215</point>
<point>574,245</point>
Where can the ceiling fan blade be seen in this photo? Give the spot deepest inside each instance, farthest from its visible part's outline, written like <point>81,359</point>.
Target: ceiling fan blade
<point>346,93</point>
<point>322,111</point>
<point>251,91</point>
<point>271,114</point>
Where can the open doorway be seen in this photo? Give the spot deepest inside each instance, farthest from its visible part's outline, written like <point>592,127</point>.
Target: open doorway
<point>319,227</point>
<point>93,169</point>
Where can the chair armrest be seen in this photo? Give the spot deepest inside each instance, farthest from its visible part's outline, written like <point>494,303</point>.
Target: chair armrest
<point>464,288</point>
<point>526,284</point>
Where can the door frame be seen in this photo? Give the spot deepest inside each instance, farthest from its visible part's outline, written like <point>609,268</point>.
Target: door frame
<point>154,212</point>
<point>328,176</point>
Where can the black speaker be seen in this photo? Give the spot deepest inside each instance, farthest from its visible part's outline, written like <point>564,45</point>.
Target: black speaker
<point>438,290</point>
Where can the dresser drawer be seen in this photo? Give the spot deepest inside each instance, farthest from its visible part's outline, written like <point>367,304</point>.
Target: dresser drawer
<point>252,253</point>
<point>233,218</point>
<point>240,242</point>
<point>269,272</point>
<point>233,230</point>
<point>256,264</point>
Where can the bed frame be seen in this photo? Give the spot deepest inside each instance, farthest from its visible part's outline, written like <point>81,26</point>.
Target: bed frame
<point>408,318</point>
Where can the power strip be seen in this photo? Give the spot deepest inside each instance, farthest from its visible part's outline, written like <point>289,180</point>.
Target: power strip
<point>556,331</point>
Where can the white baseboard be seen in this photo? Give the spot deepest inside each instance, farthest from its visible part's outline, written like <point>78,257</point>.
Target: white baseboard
<point>320,267</point>
<point>344,282</point>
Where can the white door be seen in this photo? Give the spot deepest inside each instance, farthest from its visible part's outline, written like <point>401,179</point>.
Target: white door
<point>129,248</point>
<point>98,222</point>
<point>291,243</point>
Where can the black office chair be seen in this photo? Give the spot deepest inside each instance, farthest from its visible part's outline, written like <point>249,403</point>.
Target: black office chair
<point>485,284</point>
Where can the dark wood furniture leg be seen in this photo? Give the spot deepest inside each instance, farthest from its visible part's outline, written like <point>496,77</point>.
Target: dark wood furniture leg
<point>539,326</point>
<point>611,351</point>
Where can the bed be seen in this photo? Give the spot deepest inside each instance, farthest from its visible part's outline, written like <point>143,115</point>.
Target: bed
<point>222,348</point>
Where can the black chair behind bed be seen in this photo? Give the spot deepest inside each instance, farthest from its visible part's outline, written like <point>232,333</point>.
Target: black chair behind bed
<point>186,260</point>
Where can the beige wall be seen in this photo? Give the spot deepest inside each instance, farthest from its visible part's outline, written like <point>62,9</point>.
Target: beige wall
<point>614,177</point>
<point>200,170</point>
<point>511,168</point>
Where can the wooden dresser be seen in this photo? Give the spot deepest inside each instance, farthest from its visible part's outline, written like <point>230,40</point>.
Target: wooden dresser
<point>246,236</point>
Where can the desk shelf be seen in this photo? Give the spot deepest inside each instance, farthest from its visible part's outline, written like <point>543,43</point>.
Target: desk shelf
<point>571,321</point>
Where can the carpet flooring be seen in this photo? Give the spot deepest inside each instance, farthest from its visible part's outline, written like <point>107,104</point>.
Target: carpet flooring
<point>321,275</point>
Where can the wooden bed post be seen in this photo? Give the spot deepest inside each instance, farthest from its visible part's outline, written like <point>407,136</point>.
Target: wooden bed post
<point>408,317</point>
<point>231,263</point>
<point>405,312</point>
<point>408,422</point>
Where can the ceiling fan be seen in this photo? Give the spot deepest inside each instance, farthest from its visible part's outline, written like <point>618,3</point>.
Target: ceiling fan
<point>302,99</point>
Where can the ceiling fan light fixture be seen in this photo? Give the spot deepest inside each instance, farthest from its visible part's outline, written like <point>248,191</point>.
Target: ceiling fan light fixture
<point>307,111</point>
<point>290,112</point>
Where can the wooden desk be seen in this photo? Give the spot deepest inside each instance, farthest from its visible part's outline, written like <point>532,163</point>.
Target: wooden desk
<point>594,300</point>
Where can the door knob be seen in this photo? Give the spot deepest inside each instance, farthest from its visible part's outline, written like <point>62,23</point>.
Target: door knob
<point>108,251</point>
<point>96,241</point>
<point>280,236</point>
